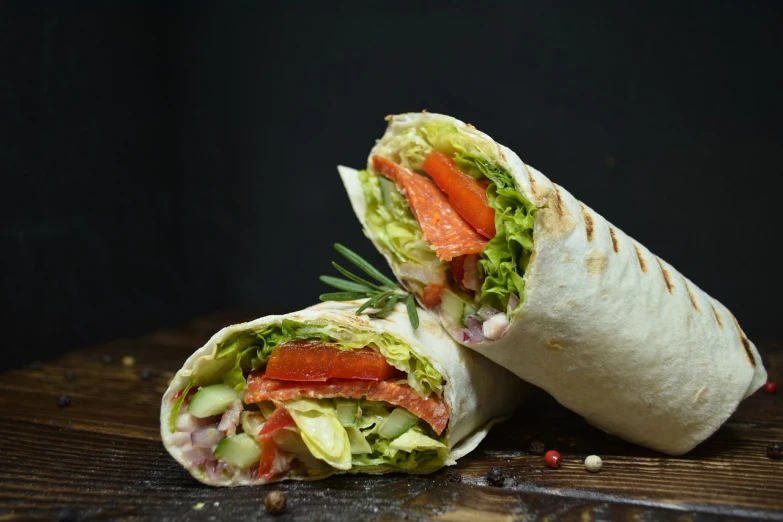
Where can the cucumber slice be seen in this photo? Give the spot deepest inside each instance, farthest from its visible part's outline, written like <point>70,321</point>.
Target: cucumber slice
<point>400,421</point>
<point>359,444</point>
<point>212,400</point>
<point>240,450</point>
<point>388,187</point>
<point>346,411</point>
<point>466,311</point>
<point>452,305</point>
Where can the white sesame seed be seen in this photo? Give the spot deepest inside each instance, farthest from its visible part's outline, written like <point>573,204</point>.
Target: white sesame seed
<point>593,463</point>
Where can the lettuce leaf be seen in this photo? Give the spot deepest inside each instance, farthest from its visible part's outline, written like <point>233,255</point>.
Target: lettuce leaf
<point>321,432</point>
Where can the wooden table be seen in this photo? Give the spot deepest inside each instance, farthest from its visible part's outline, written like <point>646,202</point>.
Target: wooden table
<point>102,458</point>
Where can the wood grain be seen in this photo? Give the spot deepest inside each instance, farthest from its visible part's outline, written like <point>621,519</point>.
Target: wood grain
<point>102,458</point>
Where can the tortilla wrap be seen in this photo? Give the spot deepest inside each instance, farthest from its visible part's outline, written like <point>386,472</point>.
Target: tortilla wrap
<point>609,329</point>
<point>478,393</point>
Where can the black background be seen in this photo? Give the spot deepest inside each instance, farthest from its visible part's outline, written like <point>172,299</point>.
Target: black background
<point>161,160</point>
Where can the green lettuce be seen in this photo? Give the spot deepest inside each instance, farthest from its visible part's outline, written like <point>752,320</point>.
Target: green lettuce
<point>321,432</point>
<point>503,261</point>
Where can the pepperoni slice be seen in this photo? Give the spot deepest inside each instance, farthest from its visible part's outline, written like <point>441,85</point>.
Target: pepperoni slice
<point>432,409</point>
<point>442,227</point>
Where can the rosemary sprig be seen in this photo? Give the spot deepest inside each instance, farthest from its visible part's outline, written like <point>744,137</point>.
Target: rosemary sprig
<point>381,296</point>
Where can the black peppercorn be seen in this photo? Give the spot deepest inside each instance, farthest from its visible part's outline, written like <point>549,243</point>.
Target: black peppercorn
<point>495,477</point>
<point>537,447</point>
<point>36,365</point>
<point>275,502</point>
<point>452,474</point>
<point>69,375</point>
<point>775,450</point>
<point>63,401</point>
<point>145,374</point>
<point>107,359</point>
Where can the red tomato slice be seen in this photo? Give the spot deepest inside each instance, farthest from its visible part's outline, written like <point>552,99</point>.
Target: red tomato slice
<point>431,295</point>
<point>315,361</point>
<point>458,268</point>
<point>448,233</point>
<point>466,195</point>
<point>279,419</point>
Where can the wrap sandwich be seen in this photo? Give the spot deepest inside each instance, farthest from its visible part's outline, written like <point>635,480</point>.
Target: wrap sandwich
<point>323,391</point>
<point>519,270</point>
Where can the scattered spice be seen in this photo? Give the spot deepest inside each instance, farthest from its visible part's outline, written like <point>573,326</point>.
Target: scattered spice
<point>63,401</point>
<point>452,474</point>
<point>552,459</point>
<point>275,502</point>
<point>593,463</point>
<point>128,361</point>
<point>36,366</point>
<point>537,447</point>
<point>495,477</point>
<point>145,374</point>
<point>107,359</point>
<point>69,375</point>
<point>771,387</point>
<point>67,515</point>
<point>775,450</point>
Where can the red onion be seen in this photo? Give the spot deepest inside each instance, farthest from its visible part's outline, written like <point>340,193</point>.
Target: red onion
<point>473,333</point>
<point>513,303</point>
<point>470,278</point>
<point>197,456</point>
<point>230,419</point>
<point>206,437</point>
<point>495,326</point>
<point>180,438</point>
<point>486,311</point>
<point>188,422</point>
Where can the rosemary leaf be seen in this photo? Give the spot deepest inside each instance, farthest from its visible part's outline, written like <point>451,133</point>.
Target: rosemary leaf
<point>354,277</point>
<point>342,284</point>
<point>343,296</point>
<point>413,315</point>
<point>389,306</point>
<point>366,267</point>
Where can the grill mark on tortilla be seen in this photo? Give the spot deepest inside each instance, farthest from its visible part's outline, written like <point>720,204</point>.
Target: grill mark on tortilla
<point>717,315</point>
<point>642,262</point>
<point>666,276</point>
<point>532,182</point>
<point>588,222</point>
<point>558,201</point>
<point>690,294</point>
<point>615,241</point>
<point>745,342</point>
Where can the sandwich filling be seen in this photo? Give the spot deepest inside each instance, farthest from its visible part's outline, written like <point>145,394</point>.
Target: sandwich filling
<point>304,400</point>
<point>459,233</point>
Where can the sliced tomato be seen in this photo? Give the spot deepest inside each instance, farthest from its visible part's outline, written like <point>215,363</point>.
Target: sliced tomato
<point>466,195</point>
<point>279,419</point>
<point>442,226</point>
<point>273,460</point>
<point>315,361</point>
<point>431,295</point>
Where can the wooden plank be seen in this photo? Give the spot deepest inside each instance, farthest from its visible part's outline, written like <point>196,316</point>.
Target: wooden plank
<point>102,456</point>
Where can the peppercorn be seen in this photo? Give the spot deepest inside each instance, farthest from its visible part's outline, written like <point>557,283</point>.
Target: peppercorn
<point>145,374</point>
<point>63,401</point>
<point>771,387</point>
<point>537,447</point>
<point>275,502</point>
<point>552,459</point>
<point>69,375</point>
<point>495,477</point>
<point>775,450</point>
<point>593,463</point>
<point>107,359</point>
<point>36,365</point>
<point>452,474</point>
